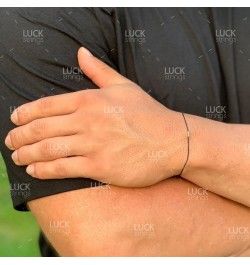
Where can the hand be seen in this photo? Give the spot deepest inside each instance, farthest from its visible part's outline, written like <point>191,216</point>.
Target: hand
<point>118,135</point>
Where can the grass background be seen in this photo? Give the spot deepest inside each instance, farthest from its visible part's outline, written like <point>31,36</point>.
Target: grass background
<point>18,230</point>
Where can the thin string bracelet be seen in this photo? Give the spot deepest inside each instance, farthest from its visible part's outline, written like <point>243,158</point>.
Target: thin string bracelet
<point>188,143</point>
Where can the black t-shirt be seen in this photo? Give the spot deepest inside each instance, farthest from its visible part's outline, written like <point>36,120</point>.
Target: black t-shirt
<point>193,60</point>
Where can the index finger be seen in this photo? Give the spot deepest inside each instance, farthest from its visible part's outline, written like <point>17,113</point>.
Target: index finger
<point>46,107</point>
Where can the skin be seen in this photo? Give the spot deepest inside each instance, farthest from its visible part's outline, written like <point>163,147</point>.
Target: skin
<point>101,222</point>
<point>98,226</point>
<point>120,148</point>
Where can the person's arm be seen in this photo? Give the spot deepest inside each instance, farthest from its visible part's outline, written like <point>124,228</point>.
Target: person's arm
<point>220,158</point>
<point>127,138</point>
<point>171,218</point>
<point>47,69</point>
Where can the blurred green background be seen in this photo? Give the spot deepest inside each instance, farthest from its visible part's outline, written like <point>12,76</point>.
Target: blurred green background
<point>18,230</point>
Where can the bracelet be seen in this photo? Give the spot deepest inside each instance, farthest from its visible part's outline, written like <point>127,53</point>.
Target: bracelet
<point>188,142</point>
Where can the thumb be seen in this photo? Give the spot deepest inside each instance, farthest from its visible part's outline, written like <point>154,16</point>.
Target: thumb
<point>100,73</point>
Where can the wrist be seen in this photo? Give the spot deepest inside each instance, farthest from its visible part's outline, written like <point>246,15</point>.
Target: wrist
<point>207,146</point>
<point>175,143</point>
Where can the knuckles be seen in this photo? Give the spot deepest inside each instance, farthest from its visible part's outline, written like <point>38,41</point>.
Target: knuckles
<point>23,113</point>
<point>60,169</point>
<point>45,105</point>
<point>90,96</point>
<point>46,171</point>
<point>22,156</point>
<point>45,149</point>
<point>16,137</point>
<point>38,129</point>
<point>39,171</point>
<point>93,96</point>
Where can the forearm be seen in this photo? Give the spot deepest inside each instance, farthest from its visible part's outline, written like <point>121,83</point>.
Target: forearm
<point>105,222</point>
<point>220,158</point>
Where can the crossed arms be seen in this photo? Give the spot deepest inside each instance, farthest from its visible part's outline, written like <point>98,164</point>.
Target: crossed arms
<point>116,150</point>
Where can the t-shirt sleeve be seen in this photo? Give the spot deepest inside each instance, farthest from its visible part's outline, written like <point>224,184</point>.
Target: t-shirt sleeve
<point>38,58</point>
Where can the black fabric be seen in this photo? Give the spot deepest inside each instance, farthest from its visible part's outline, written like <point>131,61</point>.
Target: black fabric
<point>46,248</point>
<point>144,44</point>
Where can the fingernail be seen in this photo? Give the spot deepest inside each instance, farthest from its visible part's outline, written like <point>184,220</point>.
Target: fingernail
<point>30,170</point>
<point>86,51</point>
<point>14,117</point>
<point>15,158</point>
<point>8,142</point>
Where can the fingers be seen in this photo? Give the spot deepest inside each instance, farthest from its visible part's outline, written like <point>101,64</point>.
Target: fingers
<point>51,149</point>
<point>71,167</point>
<point>40,129</point>
<point>99,72</point>
<point>45,107</point>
